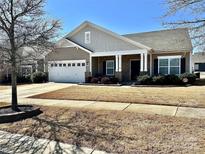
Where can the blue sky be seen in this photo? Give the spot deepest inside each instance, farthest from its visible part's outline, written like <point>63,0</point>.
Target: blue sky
<point>121,16</point>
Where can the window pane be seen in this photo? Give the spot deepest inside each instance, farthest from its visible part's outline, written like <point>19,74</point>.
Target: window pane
<point>110,71</point>
<point>196,66</point>
<point>69,64</point>
<point>163,70</point>
<point>174,70</point>
<point>110,64</point>
<point>78,64</point>
<point>83,64</point>
<point>174,62</point>
<point>87,37</point>
<point>163,62</point>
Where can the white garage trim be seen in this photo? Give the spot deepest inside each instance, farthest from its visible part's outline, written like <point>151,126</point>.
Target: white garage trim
<point>66,61</point>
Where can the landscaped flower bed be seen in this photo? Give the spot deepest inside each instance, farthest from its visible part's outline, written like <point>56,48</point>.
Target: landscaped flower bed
<point>25,111</point>
<point>183,79</point>
<point>102,80</point>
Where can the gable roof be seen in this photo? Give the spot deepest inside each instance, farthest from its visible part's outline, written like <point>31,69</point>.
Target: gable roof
<point>87,23</point>
<point>164,40</point>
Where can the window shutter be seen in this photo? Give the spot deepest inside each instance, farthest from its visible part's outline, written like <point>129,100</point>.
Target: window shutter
<point>155,66</point>
<point>183,65</point>
<point>104,67</point>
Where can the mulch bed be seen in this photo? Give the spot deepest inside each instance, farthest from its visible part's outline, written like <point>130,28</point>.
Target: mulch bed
<point>25,111</point>
<point>6,110</point>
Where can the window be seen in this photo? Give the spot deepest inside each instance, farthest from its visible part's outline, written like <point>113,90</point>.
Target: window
<point>87,38</point>
<point>196,67</point>
<point>64,65</point>
<point>163,66</point>
<point>78,64</point>
<point>51,65</point>
<point>110,67</point>
<point>69,65</point>
<point>56,65</point>
<point>169,65</point>
<point>83,64</point>
<point>60,65</point>
<point>73,64</point>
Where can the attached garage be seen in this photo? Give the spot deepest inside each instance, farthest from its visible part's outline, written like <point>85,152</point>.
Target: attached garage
<point>67,71</point>
<point>200,67</point>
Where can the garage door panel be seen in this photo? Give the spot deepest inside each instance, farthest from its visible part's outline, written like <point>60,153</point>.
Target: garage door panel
<point>67,73</point>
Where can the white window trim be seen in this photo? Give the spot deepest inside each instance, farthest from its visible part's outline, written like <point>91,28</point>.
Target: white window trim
<point>87,41</point>
<point>107,61</point>
<point>169,59</point>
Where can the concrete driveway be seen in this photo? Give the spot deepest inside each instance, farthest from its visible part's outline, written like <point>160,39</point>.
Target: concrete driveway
<point>31,89</point>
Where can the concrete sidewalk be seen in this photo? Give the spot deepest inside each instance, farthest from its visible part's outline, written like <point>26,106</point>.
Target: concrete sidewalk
<point>25,91</point>
<point>16,143</point>
<point>117,106</point>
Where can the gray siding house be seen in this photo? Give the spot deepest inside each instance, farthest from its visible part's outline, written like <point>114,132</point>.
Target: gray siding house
<point>91,50</point>
<point>31,62</point>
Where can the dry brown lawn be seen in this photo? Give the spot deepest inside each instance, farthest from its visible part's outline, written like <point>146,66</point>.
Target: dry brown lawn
<point>117,132</point>
<point>3,104</point>
<point>2,87</point>
<point>193,96</point>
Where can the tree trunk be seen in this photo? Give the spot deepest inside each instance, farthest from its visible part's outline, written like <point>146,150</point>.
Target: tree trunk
<point>14,100</point>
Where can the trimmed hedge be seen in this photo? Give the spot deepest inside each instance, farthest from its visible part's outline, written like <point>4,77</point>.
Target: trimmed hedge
<point>158,80</point>
<point>145,79</point>
<point>103,80</point>
<point>94,80</point>
<point>182,79</point>
<point>24,79</point>
<point>39,77</point>
<point>188,78</point>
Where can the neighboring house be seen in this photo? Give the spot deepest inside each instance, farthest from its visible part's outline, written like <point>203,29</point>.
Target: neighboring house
<point>198,63</point>
<point>32,62</point>
<point>90,50</point>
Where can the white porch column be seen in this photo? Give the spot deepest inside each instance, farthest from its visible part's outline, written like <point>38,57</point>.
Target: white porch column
<point>145,62</point>
<point>141,62</point>
<point>190,67</point>
<point>150,64</point>
<point>116,63</point>
<point>120,63</point>
<point>90,65</point>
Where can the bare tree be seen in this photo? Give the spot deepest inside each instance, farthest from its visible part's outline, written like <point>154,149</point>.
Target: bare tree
<point>187,13</point>
<point>23,24</point>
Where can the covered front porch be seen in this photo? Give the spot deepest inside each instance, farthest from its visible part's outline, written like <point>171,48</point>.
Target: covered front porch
<point>125,65</point>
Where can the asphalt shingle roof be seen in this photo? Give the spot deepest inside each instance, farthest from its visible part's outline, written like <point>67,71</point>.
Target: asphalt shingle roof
<point>164,40</point>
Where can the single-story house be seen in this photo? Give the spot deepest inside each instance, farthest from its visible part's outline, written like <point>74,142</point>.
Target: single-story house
<point>198,63</point>
<point>31,62</point>
<point>91,50</point>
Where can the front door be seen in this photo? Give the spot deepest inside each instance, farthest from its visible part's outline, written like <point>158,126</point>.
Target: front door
<point>135,69</point>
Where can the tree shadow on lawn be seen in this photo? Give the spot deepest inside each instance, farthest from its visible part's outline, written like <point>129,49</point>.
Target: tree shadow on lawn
<point>57,127</point>
<point>87,129</point>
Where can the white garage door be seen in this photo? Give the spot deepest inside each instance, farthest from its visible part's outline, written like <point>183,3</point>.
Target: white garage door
<point>67,71</point>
